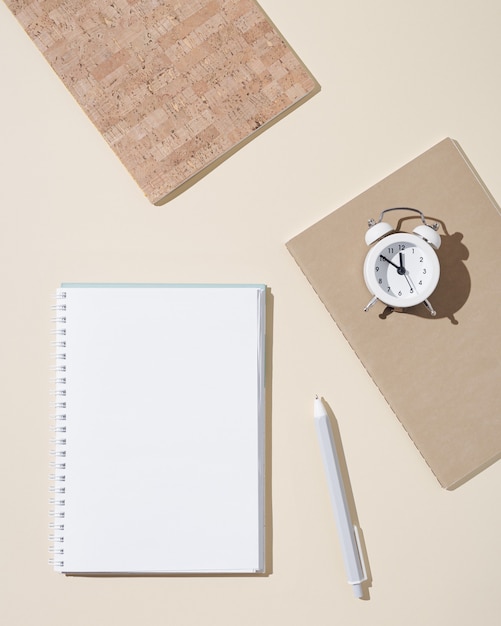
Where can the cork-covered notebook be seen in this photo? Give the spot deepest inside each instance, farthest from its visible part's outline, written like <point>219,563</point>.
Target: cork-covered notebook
<point>173,87</point>
<point>441,375</point>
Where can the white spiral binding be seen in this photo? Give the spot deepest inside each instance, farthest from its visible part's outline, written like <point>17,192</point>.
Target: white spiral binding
<point>58,448</point>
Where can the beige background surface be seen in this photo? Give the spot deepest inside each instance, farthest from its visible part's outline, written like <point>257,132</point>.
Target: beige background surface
<point>396,78</point>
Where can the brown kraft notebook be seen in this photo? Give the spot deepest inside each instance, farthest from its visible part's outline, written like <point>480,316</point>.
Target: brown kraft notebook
<point>440,375</point>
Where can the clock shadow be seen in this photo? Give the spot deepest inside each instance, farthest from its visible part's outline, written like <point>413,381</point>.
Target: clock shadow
<point>454,285</point>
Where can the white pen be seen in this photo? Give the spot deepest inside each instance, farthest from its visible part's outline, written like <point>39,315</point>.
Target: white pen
<point>348,532</point>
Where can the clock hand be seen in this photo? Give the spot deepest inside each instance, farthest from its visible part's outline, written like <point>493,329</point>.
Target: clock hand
<point>401,270</point>
<point>410,282</point>
<point>388,261</point>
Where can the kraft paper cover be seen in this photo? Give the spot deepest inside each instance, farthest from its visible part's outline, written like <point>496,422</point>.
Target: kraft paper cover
<point>440,375</point>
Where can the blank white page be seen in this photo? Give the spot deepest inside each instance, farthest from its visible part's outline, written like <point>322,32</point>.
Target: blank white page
<point>162,398</point>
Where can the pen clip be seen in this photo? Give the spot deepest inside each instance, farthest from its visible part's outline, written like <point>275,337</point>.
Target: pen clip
<point>360,555</point>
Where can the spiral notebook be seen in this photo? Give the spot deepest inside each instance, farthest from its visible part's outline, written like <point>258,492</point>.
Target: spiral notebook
<point>160,422</point>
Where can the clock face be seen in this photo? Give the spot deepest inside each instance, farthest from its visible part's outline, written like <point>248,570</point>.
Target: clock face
<point>401,270</point>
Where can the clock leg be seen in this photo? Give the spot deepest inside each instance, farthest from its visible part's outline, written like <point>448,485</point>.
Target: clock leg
<point>430,308</point>
<point>371,303</point>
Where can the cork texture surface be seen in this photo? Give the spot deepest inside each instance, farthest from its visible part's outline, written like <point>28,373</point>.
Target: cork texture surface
<point>173,87</point>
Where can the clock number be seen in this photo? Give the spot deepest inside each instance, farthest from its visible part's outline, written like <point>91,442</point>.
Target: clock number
<point>424,271</point>
<point>377,268</point>
<point>399,293</point>
<point>390,250</point>
<point>401,246</point>
<point>420,259</point>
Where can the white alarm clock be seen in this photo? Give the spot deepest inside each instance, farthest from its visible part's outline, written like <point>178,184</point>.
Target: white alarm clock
<point>402,269</point>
